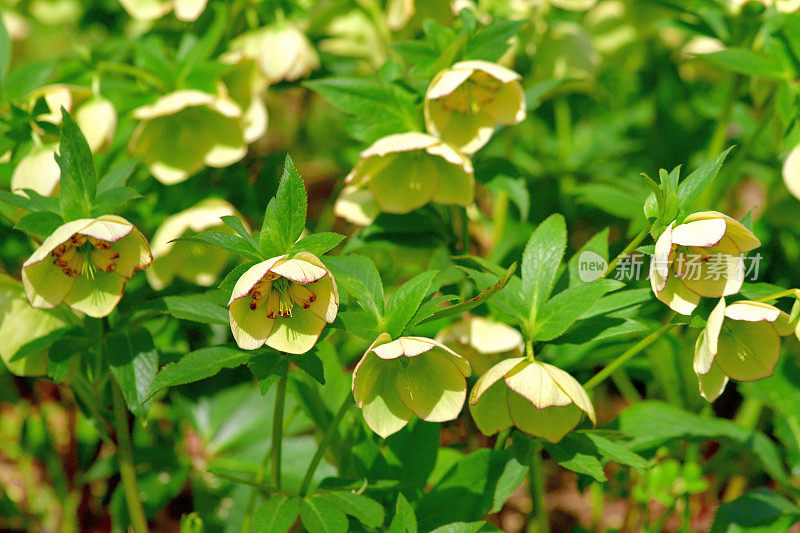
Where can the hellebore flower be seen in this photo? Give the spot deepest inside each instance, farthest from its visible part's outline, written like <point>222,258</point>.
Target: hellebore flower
<point>568,52</point>
<point>791,172</point>
<point>283,303</point>
<point>537,398</point>
<point>191,261</point>
<point>741,341</point>
<point>465,103</point>
<point>283,52</point>
<point>356,206</point>
<point>700,258</point>
<point>481,341</point>
<point>186,130</point>
<point>408,376</point>
<point>245,85</point>
<point>407,170</point>
<point>38,171</point>
<point>185,10</point>
<point>20,324</point>
<point>85,263</point>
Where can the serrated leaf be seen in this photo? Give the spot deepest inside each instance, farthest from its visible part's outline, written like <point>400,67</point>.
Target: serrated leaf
<point>235,223</point>
<point>268,368</point>
<point>475,301</point>
<point>577,454</point>
<point>317,243</point>
<point>320,516</point>
<point>20,201</point>
<point>78,179</point>
<point>696,182</point>
<point>359,277</point>
<point>205,308</point>
<point>617,452</point>
<point>490,43</point>
<point>362,508</point>
<point>134,362</point>
<point>405,302</point>
<point>233,276</point>
<point>277,515</point>
<point>540,262</point>
<point>199,364</point>
<point>404,521</point>
<point>226,241</point>
<point>40,224</point>
<point>285,217</point>
<point>109,201</point>
<point>561,311</point>
<point>117,176</point>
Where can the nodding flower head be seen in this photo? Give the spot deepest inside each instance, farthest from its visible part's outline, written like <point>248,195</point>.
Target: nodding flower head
<point>284,303</point>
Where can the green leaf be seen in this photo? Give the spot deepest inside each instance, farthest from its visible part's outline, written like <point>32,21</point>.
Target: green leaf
<point>760,510</point>
<point>117,176</point>
<point>317,243</point>
<point>226,241</point>
<point>598,244</point>
<point>747,62</point>
<point>199,364</point>
<point>616,451</point>
<point>577,453</point>
<point>540,262</point>
<point>460,527</point>
<point>268,368</point>
<point>320,516</point>
<point>508,299</point>
<point>405,302</point>
<point>696,182</point>
<point>285,217</point>
<point>5,50</point>
<point>205,308</point>
<point>362,508</point>
<point>517,191</point>
<point>78,178</point>
<point>20,201</point>
<point>42,343</point>
<point>404,521</point>
<point>311,364</point>
<point>40,224</point>
<point>490,43</point>
<point>229,282</point>
<point>235,223</point>
<point>277,515</point>
<point>475,301</point>
<point>109,201</point>
<point>561,311</point>
<point>134,363</point>
<point>360,279</point>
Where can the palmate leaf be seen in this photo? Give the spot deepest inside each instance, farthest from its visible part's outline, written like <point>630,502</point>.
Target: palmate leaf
<point>111,200</point>
<point>561,311</point>
<point>285,217</point>
<point>226,241</point>
<point>359,277</point>
<point>697,182</point>
<point>540,262</point>
<point>405,302</point>
<point>317,243</point>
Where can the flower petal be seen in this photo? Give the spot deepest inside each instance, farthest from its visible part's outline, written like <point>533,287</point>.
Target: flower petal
<point>375,391</point>
<point>432,387</point>
<point>107,228</point>
<point>399,142</point>
<point>712,383</point>
<point>791,172</point>
<point>98,296</point>
<point>748,351</point>
<point>299,270</point>
<point>706,346</point>
<point>296,334</point>
<point>37,171</point>
<point>752,311</point>
<point>58,237</point>
<point>551,423</point>
<point>573,389</point>
<point>531,380</point>
<point>677,296</point>
<point>490,412</point>
<point>660,264</point>
<point>252,276</point>
<point>499,72</point>
<point>494,374</point>
<point>742,237</point>
<point>702,233</point>
<point>45,284</point>
<point>250,328</point>
<point>447,81</point>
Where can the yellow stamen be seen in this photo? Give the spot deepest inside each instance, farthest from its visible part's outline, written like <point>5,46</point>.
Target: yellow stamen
<point>301,295</point>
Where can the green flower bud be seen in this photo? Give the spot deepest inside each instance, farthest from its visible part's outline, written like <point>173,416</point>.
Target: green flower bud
<point>465,103</point>
<point>537,398</point>
<point>408,376</point>
<point>191,261</point>
<point>407,170</point>
<point>741,341</point>
<point>85,263</point>
<point>283,303</point>
<point>700,258</point>
<point>186,130</point>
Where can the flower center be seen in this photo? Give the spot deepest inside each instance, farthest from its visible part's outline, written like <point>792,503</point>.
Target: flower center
<point>84,256</point>
<point>278,296</point>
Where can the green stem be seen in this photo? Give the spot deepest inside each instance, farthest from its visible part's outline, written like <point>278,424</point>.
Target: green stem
<point>502,438</point>
<point>781,294</point>
<point>628,249</point>
<point>277,434</point>
<point>539,522</point>
<point>126,465</point>
<point>136,72</point>
<point>330,433</point>
<point>626,355</point>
